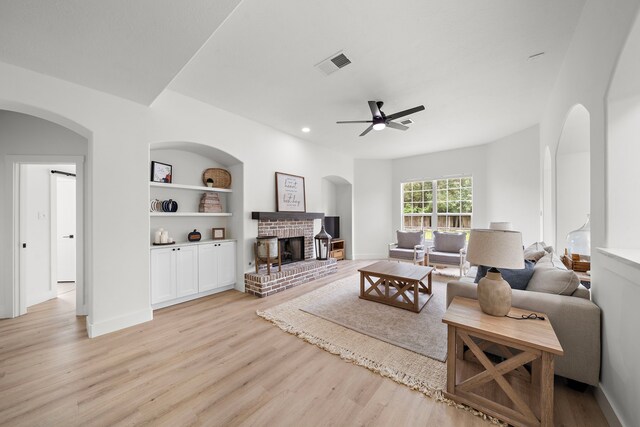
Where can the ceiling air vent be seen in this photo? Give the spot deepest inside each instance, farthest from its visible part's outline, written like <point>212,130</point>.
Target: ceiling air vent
<point>406,122</point>
<point>333,63</point>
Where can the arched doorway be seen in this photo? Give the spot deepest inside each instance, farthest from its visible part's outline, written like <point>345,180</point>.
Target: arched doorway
<point>40,140</point>
<point>573,174</point>
<point>337,201</point>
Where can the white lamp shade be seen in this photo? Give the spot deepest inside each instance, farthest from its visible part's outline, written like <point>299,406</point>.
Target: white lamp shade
<point>501,225</point>
<point>496,248</point>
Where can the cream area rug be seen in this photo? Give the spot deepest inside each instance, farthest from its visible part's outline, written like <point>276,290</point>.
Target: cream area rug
<point>409,367</point>
<point>423,333</point>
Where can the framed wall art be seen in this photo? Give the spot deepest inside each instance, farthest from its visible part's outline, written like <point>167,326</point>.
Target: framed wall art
<point>290,195</point>
<point>161,172</point>
<point>217,233</point>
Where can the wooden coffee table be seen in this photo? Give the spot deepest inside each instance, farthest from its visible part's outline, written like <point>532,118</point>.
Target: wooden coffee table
<point>535,342</point>
<point>397,284</point>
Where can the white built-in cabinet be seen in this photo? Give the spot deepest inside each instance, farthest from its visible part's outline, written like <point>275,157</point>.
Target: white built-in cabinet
<point>188,271</point>
<point>214,261</point>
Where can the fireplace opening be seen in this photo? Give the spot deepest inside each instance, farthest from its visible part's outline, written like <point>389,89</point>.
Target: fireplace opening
<point>291,249</point>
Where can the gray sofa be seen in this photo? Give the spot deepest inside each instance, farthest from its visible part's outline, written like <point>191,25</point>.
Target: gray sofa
<point>574,317</point>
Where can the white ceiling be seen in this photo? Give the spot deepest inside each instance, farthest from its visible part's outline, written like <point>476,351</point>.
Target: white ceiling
<point>466,61</point>
<point>129,48</point>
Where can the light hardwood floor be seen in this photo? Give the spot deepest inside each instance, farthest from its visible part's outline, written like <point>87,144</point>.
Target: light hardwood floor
<point>209,362</point>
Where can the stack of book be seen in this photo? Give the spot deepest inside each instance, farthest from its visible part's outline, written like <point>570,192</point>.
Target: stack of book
<point>210,203</point>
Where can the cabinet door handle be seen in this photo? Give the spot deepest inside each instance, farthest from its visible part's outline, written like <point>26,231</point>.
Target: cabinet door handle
<point>178,248</point>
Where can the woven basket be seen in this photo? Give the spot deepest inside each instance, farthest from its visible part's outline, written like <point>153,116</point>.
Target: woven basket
<point>221,177</point>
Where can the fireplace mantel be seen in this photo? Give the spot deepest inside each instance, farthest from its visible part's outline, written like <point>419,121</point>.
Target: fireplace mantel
<point>286,216</point>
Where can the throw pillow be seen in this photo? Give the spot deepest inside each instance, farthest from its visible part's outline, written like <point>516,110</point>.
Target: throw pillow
<point>550,279</point>
<point>539,246</point>
<point>409,239</point>
<point>534,255</point>
<point>448,242</point>
<point>517,279</point>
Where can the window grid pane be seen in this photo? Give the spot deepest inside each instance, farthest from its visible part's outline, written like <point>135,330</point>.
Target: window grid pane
<point>453,199</point>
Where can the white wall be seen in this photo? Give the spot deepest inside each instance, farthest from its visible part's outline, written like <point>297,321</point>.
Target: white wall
<point>329,195</point>
<point>513,183</point>
<point>373,229</point>
<point>506,180</point>
<point>573,196</point>
<point>573,175</point>
<point>623,173</point>
<point>119,134</point>
<point>584,79</point>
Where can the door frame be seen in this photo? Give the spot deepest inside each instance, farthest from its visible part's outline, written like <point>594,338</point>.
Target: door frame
<point>18,288</point>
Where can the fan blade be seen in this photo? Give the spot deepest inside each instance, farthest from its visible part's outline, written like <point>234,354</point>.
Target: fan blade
<point>397,126</point>
<point>366,131</point>
<point>357,121</point>
<point>375,111</point>
<point>405,112</point>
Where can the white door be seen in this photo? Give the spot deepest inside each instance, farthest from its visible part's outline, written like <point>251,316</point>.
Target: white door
<point>163,275</point>
<point>226,264</point>
<point>66,228</point>
<point>186,270</point>
<point>207,267</point>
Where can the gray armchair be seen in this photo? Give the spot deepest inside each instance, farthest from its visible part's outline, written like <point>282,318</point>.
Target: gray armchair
<point>409,247</point>
<point>447,249</point>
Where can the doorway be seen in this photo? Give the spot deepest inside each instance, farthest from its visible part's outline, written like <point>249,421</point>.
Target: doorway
<point>48,232</point>
<point>63,229</point>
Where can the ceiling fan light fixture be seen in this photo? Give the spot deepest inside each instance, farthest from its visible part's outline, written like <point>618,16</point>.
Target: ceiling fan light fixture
<point>379,126</point>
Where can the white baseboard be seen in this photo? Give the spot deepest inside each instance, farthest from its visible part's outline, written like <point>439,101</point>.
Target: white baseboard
<point>190,297</point>
<point>606,407</point>
<point>117,323</point>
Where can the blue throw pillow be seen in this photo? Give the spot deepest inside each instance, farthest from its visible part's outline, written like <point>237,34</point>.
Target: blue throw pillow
<point>517,279</point>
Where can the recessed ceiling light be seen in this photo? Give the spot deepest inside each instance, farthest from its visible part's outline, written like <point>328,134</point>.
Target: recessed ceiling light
<point>306,130</point>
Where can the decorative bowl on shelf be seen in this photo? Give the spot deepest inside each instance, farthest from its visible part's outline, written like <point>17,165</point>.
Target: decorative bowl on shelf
<point>216,178</point>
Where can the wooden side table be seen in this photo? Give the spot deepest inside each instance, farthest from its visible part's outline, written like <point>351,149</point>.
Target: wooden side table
<point>537,343</point>
<point>337,249</point>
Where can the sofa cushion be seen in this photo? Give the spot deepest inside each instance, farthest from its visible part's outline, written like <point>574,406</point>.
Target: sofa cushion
<point>448,242</point>
<point>552,279</point>
<point>405,254</point>
<point>409,239</point>
<point>444,258</point>
<point>517,278</point>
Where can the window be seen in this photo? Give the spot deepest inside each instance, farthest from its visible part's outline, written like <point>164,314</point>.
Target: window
<point>441,204</point>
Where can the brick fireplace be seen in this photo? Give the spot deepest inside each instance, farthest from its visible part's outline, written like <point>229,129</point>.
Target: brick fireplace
<point>287,228</point>
<point>287,225</point>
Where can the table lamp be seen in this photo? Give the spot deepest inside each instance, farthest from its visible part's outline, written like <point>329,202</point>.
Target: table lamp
<point>495,249</point>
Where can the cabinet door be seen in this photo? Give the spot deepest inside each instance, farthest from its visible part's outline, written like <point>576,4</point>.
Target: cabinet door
<point>207,267</point>
<point>163,275</point>
<point>226,263</point>
<point>186,270</point>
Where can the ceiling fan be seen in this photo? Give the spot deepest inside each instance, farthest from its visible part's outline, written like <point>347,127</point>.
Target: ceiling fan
<point>380,120</point>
